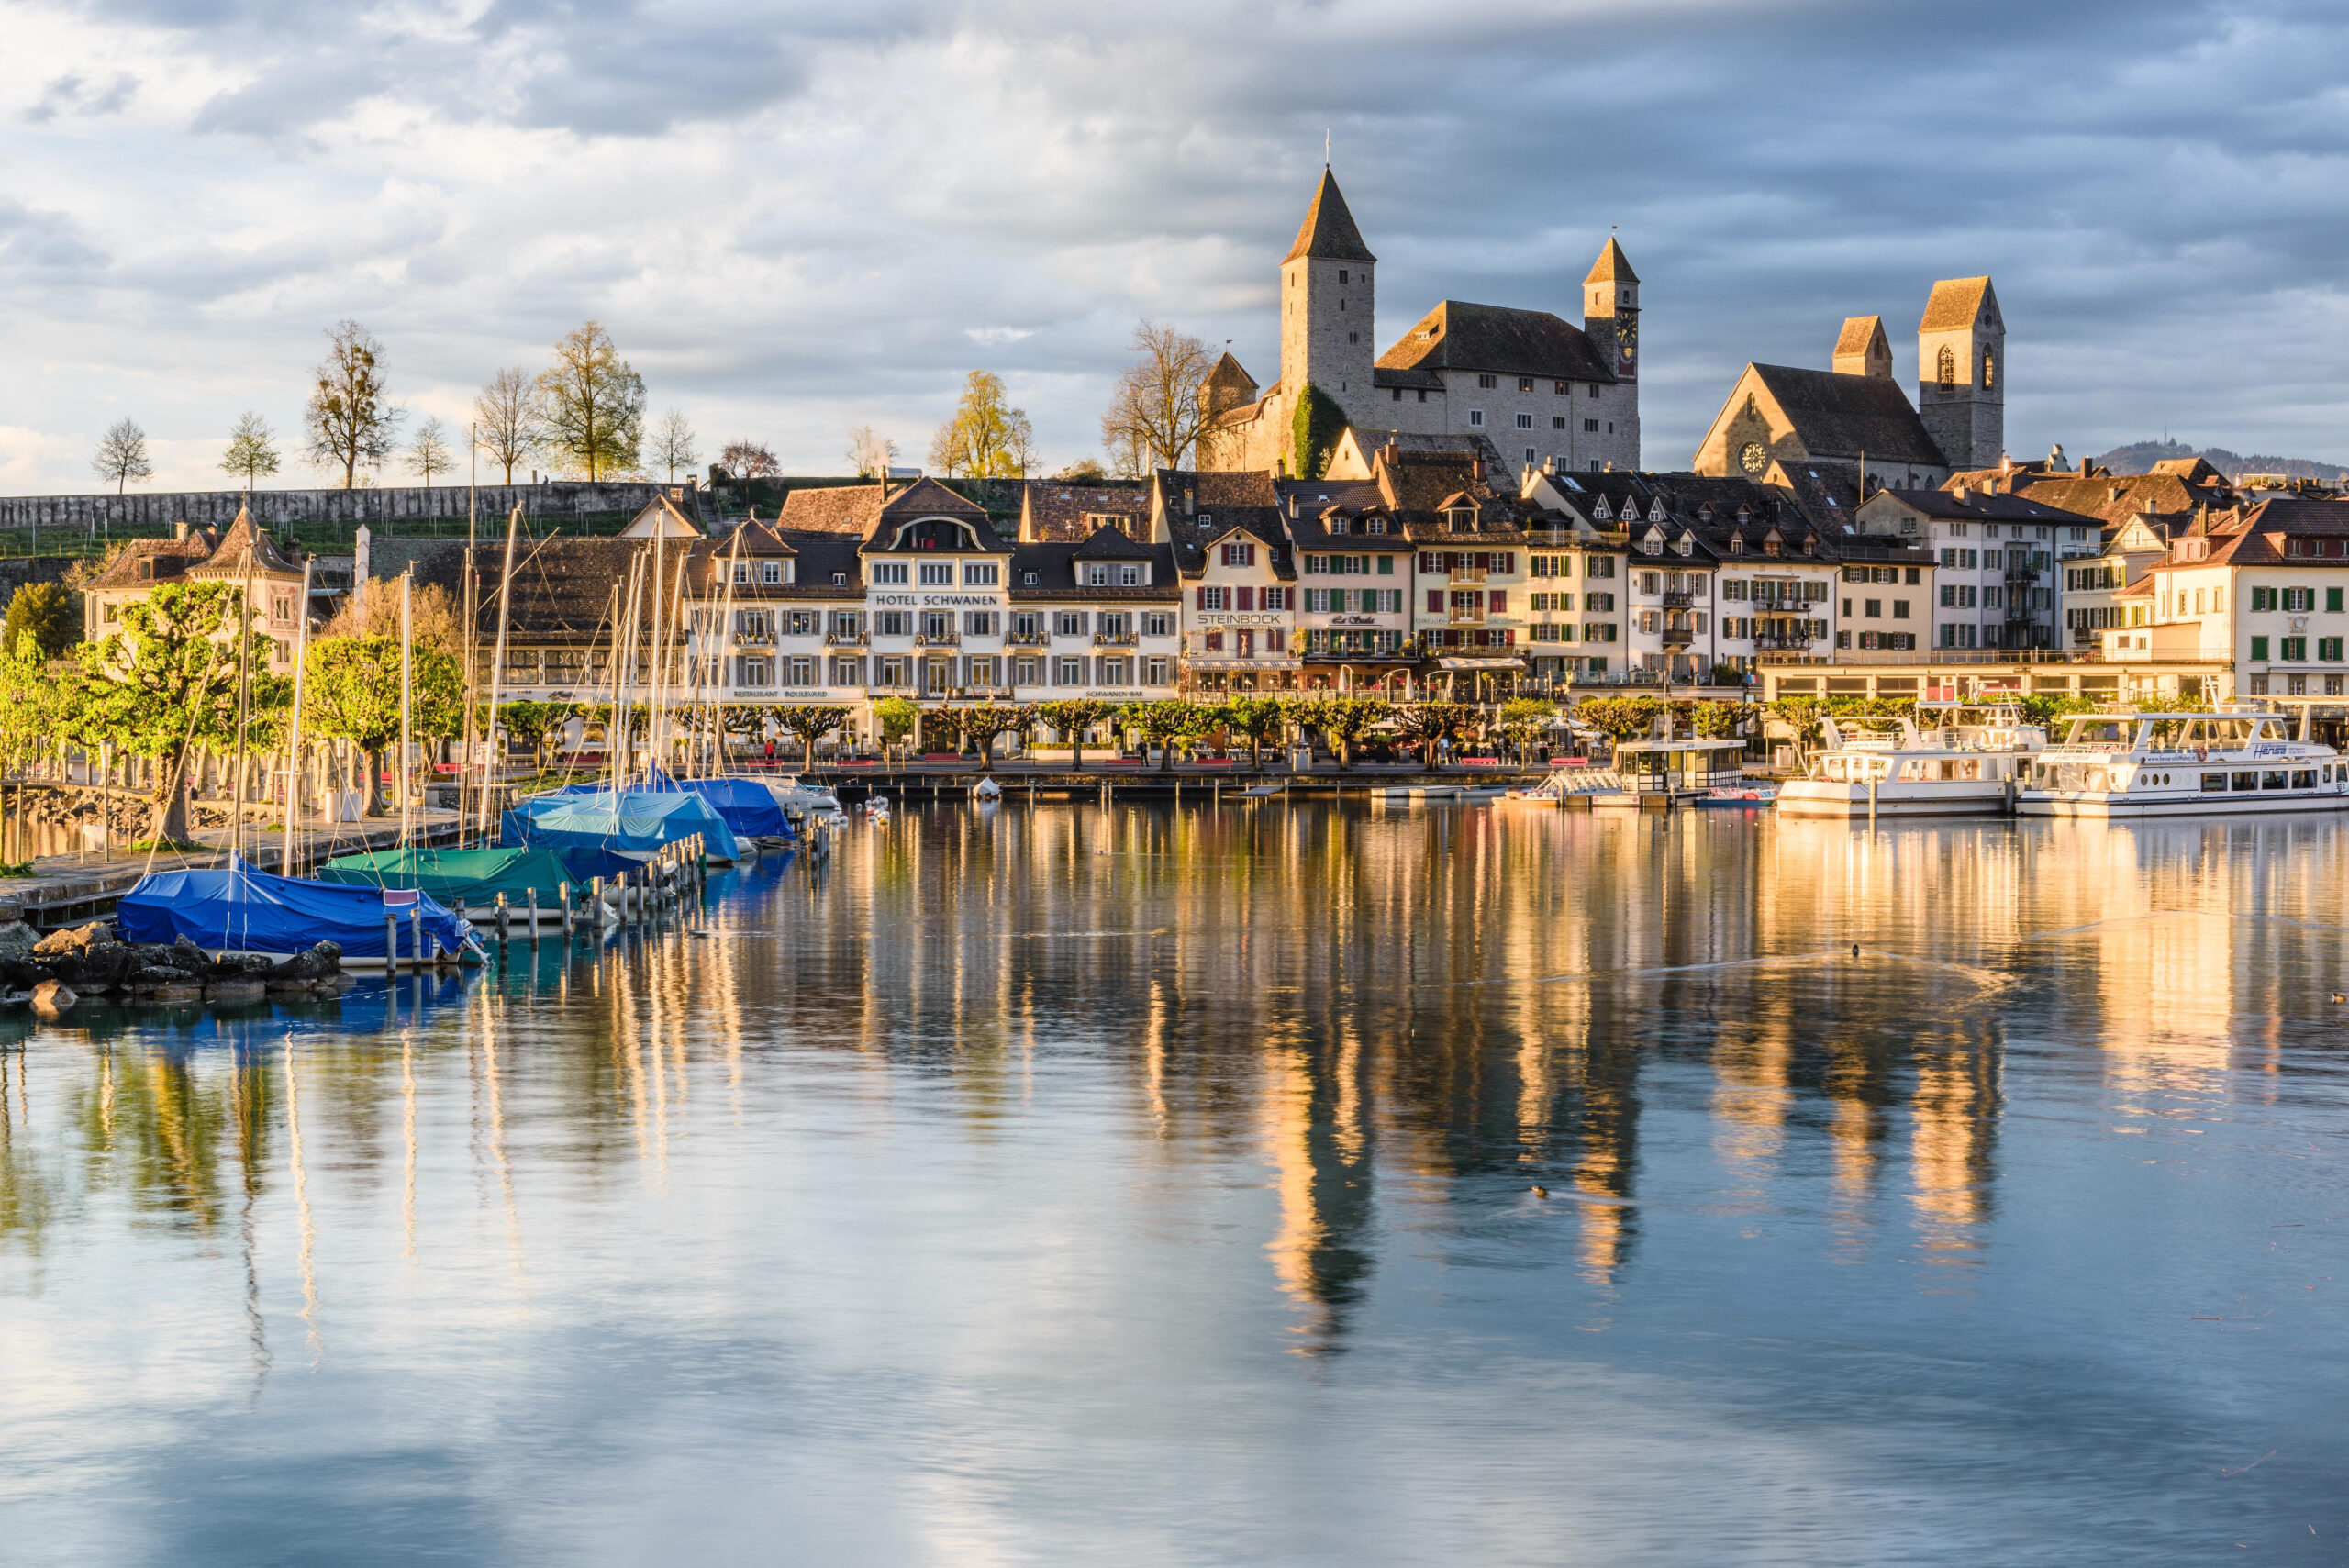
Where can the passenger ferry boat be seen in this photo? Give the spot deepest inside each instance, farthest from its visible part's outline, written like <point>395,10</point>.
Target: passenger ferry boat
<point>1952,759</point>
<point>2136,765</point>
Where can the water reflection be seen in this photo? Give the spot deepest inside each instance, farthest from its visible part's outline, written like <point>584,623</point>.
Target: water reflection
<point>1325,1056</point>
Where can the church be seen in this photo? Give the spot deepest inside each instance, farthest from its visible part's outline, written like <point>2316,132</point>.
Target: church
<point>1526,387</point>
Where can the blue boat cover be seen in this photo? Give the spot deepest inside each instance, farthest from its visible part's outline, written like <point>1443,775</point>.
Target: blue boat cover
<point>629,825</point>
<point>236,907</point>
<point>746,805</point>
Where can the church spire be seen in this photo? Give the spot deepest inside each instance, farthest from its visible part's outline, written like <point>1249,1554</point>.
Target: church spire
<point>1329,233</point>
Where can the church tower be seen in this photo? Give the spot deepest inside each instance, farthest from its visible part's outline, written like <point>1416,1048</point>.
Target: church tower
<point>1962,372</point>
<point>1861,349</point>
<point>1326,305</point>
<point>1610,318</point>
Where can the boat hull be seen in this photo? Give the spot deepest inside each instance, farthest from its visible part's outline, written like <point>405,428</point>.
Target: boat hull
<point>2123,809</point>
<point>1839,802</point>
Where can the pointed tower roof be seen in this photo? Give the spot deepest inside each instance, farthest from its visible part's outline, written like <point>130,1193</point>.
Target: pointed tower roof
<point>1612,266</point>
<point>1329,233</point>
<point>1228,372</point>
<point>244,539</point>
<point>1861,335</point>
<point>1957,302</point>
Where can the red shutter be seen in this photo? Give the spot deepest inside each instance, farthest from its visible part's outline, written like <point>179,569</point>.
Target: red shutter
<point>1500,600</point>
<point>1247,598</point>
<point>1435,601</point>
<point>1203,598</point>
<point>1508,563</point>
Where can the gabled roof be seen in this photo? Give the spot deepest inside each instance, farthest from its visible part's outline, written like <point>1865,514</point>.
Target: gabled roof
<point>1982,507</point>
<point>166,559</point>
<point>1111,544</point>
<point>1054,565</point>
<point>1053,509</point>
<point>245,540</point>
<point>1459,336</point>
<point>1228,373</point>
<point>1612,266</point>
<point>927,498</point>
<point>1843,416</point>
<point>833,508</point>
<point>2114,499</point>
<point>1956,303</point>
<point>2254,537</point>
<point>1860,334</point>
<point>1328,232</point>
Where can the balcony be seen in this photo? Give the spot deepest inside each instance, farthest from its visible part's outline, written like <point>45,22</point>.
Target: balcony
<point>1461,617</point>
<point>845,639</point>
<point>1681,599</point>
<point>1116,640</point>
<point>1029,639</point>
<point>1467,574</point>
<point>755,640</point>
<point>937,639</point>
<point>1678,635</point>
<point>1770,639</point>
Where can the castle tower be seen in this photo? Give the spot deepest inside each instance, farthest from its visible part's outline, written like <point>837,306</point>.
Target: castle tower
<point>1327,305</point>
<point>1610,318</point>
<point>1962,372</point>
<point>1861,349</point>
<point>1228,387</point>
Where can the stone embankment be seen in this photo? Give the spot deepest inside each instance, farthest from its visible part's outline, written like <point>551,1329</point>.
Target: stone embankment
<point>56,972</point>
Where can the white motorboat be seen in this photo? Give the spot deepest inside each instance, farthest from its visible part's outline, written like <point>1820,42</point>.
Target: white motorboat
<point>2138,765</point>
<point>986,790</point>
<point>800,801</point>
<point>1949,761</point>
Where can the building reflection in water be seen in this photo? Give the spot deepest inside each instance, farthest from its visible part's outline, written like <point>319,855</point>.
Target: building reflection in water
<point>1443,1008</point>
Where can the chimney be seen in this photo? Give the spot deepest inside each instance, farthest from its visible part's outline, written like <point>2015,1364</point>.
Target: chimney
<point>1190,503</point>
<point>1477,467</point>
<point>1292,506</point>
<point>2006,463</point>
<point>179,529</point>
<point>1960,494</point>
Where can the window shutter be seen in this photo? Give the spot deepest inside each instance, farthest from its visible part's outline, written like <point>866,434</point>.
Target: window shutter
<point>1247,598</point>
<point>1501,599</point>
<point>1203,598</point>
<point>1435,601</point>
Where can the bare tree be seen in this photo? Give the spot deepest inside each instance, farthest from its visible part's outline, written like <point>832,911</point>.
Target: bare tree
<point>1154,413</point>
<point>122,455</point>
<point>348,421</point>
<point>252,449</point>
<point>749,460</point>
<point>429,453</point>
<point>505,421</point>
<point>672,444</point>
<point>871,453</point>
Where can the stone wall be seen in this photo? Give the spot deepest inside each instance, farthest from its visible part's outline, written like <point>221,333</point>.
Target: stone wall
<point>389,503</point>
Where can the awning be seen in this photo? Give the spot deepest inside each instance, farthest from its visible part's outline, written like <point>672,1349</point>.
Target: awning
<point>1451,662</point>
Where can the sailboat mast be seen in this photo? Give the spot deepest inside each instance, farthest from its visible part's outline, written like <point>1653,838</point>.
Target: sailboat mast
<point>496,667</point>
<point>408,690</point>
<point>660,602</point>
<point>725,644</point>
<point>293,737</point>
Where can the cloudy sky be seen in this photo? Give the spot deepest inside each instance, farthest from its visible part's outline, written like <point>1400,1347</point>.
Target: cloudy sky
<point>799,217</point>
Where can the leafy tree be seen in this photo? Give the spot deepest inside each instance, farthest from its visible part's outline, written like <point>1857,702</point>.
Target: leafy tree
<point>2044,708</point>
<point>252,449</point>
<point>749,460</point>
<point>985,721</point>
<point>505,420</point>
<point>591,404</point>
<point>870,453</point>
<point>985,438</point>
<point>348,421</point>
<point>1424,724</point>
<point>1259,718</point>
<point>672,444</point>
<point>1084,470</point>
<point>534,719</point>
<point>44,611</point>
<point>351,691</point>
<point>165,680</point>
<point>1716,721</point>
<point>434,619</point>
<point>1163,723</point>
<point>941,726</point>
<point>898,716</point>
<point>1346,721</point>
<point>1314,429</point>
<point>427,453</point>
<point>1071,718</point>
<point>1523,720</point>
<point>810,722</point>
<point>1154,411</point>
<point>1621,718</point>
<point>122,455</point>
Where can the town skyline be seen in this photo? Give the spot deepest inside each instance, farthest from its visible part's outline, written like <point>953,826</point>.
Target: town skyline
<point>804,300</point>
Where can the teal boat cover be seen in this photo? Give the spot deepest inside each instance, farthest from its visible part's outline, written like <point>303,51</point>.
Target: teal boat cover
<point>475,876</point>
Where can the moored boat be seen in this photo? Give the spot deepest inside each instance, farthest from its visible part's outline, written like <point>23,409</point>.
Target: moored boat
<point>238,911</point>
<point>2142,765</point>
<point>1949,761</point>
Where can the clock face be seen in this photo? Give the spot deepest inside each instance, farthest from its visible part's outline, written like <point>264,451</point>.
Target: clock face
<point>1753,458</point>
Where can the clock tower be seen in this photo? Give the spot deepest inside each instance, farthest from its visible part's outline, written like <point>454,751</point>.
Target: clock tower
<point>1962,372</point>
<point>1610,318</point>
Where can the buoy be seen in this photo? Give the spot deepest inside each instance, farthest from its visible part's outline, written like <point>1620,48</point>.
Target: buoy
<point>1540,1192</point>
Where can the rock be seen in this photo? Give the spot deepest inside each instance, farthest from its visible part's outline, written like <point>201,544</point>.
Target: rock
<point>234,991</point>
<point>75,940</point>
<point>23,976</point>
<point>184,991</point>
<point>14,998</point>
<point>148,976</point>
<point>51,997</point>
<point>102,966</point>
<point>317,963</point>
<point>188,957</point>
<point>17,939</point>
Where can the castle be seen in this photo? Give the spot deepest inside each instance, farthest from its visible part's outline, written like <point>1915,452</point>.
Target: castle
<point>1534,389</point>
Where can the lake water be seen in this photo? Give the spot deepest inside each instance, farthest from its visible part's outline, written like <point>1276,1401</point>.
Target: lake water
<point>1062,1185</point>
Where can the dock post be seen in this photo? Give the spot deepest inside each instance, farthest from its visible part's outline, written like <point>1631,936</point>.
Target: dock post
<point>1871,783</point>
<point>595,902</point>
<point>563,891</point>
<point>391,944</point>
<point>416,937</point>
<point>534,917</point>
<point>505,919</point>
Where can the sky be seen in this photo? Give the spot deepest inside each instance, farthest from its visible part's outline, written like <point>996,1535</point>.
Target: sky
<point>796,218</point>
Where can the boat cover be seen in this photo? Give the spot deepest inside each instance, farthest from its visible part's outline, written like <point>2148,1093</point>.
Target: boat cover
<point>236,907</point>
<point>629,825</point>
<point>748,807</point>
<point>477,876</point>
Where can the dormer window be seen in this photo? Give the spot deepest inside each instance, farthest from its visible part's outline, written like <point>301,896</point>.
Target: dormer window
<point>1374,526</point>
<point>1737,544</point>
<point>1460,519</point>
<point>770,572</point>
<point>1769,547</point>
<point>839,579</point>
<point>1340,525</point>
<point>1655,510</point>
<point>1687,544</point>
<point>1096,575</point>
<point>1027,579</point>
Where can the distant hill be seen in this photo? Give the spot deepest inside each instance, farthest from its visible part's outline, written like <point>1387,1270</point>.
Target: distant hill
<point>2139,457</point>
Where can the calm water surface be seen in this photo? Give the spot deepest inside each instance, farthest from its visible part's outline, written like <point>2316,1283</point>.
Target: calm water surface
<point>1057,1186</point>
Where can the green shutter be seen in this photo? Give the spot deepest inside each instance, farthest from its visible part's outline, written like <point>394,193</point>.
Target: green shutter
<point>2259,647</point>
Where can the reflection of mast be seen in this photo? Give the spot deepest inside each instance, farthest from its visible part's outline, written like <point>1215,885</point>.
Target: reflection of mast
<point>407,1141</point>
<point>249,1174</point>
<point>302,1204</point>
<point>497,1140</point>
<point>1323,1163</point>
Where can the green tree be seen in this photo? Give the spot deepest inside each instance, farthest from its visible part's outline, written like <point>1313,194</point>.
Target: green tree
<point>1258,718</point>
<point>122,455</point>
<point>810,722</point>
<point>1716,721</point>
<point>985,438</point>
<point>347,420</point>
<point>165,680</point>
<point>1314,430</point>
<point>351,691</point>
<point>591,405</point>
<point>534,720</point>
<point>252,449</point>
<point>1523,720</point>
<point>985,721</point>
<point>1620,719</point>
<point>1164,722</point>
<point>1071,718</point>
<point>898,716</point>
<point>46,611</point>
<point>1346,721</point>
<point>1424,724</point>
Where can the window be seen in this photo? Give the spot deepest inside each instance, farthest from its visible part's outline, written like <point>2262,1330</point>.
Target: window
<point>1488,382</point>
<point>2328,650</point>
<point>1276,599</point>
<point>2296,648</point>
<point>2263,599</point>
<point>1027,579</point>
<point>891,623</point>
<point>1240,555</point>
<point>1096,574</point>
<point>1157,623</point>
<point>1341,275</point>
<point>1476,417</point>
<point>1590,426</point>
<point>1068,671</point>
<point>1899,610</point>
<point>1069,623</point>
<point>1989,366</point>
<point>979,575</point>
<point>1945,369</point>
<point>1525,421</point>
<point>1156,671</point>
<point>741,571</point>
<point>2299,599</point>
<point>1532,457</point>
<point>1024,671</point>
<point>1872,607</point>
<point>938,574</point>
<point>1525,383</point>
<point>1215,598</point>
<point>1375,526</point>
<point>888,574</point>
<point>770,572</point>
<point>979,623</point>
<point>1557,421</point>
<point>1562,388</point>
<point>937,623</point>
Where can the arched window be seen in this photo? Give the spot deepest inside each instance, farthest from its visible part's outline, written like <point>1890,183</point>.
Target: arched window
<point>1990,367</point>
<point>1945,369</point>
